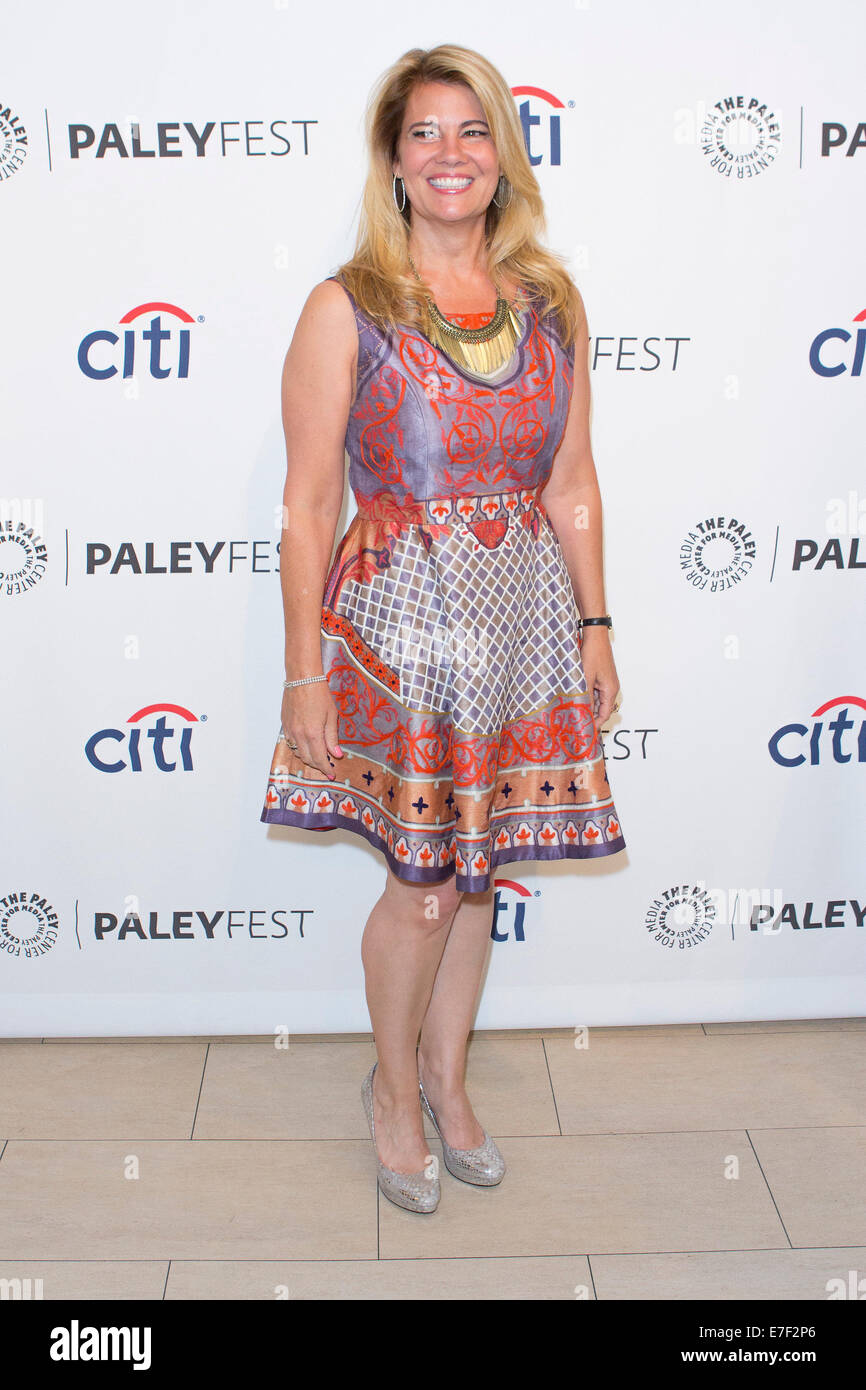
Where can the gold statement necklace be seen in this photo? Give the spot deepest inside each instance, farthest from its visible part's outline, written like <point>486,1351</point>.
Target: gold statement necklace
<point>482,352</point>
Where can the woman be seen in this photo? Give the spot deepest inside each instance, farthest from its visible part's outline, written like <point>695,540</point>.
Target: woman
<point>442,699</point>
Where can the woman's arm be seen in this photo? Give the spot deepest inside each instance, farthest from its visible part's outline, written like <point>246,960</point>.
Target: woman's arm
<point>571,495</point>
<point>572,500</point>
<point>318,384</point>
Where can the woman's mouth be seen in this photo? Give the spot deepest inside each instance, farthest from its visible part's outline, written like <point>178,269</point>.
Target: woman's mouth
<point>450,184</point>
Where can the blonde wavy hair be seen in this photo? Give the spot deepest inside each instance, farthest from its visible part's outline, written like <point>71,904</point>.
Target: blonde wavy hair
<point>379,275</point>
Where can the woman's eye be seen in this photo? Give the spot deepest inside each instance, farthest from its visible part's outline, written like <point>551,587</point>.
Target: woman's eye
<point>433,132</point>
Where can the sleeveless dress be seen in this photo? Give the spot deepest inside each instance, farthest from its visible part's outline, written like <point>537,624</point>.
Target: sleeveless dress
<point>449,624</point>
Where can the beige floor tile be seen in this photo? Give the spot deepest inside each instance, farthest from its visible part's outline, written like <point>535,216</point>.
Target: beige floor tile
<point>508,1084</point>
<point>625,1085</point>
<point>818,1180</point>
<point>553,1277</point>
<point>578,1195</point>
<point>192,1200</point>
<point>92,1279</point>
<point>297,1092</point>
<point>100,1090</point>
<point>753,1275</point>
<point>787,1025</point>
<point>315,1092</point>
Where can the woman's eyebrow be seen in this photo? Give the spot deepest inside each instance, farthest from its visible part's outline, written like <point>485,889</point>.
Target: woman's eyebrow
<point>434,120</point>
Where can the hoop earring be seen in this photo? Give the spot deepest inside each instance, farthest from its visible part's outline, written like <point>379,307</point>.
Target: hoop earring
<point>398,206</point>
<point>503,180</point>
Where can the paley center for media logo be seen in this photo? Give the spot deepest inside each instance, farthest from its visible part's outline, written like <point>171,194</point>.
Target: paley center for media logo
<point>740,136</point>
<point>23,551</point>
<point>158,349</point>
<point>717,553</point>
<point>13,142</point>
<point>682,916</point>
<point>28,925</point>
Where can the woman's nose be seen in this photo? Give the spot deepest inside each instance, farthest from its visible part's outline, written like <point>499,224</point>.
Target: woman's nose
<point>451,152</point>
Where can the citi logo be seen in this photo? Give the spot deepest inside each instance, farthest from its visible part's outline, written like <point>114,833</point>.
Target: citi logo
<point>158,749</point>
<point>827,358</point>
<point>509,911</point>
<point>549,132</point>
<point>164,349</point>
<point>834,738</point>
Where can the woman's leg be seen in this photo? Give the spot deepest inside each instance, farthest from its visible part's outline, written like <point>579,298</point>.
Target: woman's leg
<point>401,949</point>
<point>448,1021</point>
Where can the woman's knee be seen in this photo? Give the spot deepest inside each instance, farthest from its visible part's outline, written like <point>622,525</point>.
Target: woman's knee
<point>427,903</point>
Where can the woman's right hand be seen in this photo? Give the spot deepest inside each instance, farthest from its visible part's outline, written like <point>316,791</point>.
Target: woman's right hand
<point>308,716</point>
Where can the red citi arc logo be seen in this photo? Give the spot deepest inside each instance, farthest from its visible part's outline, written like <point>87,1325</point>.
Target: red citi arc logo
<point>160,755</point>
<point>157,345</point>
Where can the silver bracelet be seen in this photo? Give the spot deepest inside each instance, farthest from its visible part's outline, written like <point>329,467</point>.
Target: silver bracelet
<point>305,680</point>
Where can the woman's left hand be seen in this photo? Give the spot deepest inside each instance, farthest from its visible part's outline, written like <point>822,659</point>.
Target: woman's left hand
<point>599,669</point>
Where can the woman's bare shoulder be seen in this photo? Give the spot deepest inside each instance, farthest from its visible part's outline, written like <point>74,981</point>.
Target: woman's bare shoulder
<point>332,302</point>
<point>327,321</point>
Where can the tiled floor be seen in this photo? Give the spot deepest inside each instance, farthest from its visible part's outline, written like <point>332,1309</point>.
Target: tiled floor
<point>704,1161</point>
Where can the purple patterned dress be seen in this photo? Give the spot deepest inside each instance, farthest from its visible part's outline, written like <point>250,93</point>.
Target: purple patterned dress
<point>449,624</point>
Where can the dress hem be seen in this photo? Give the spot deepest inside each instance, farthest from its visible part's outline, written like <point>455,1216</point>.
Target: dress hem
<point>480,882</point>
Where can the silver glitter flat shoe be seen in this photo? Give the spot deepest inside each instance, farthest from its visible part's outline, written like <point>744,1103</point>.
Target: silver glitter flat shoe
<point>413,1191</point>
<point>484,1166</point>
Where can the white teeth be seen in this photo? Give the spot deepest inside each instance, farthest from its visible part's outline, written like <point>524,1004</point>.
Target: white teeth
<point>450,183</point>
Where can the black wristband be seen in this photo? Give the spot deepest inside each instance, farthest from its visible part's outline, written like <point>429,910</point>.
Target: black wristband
<point>606,621</point>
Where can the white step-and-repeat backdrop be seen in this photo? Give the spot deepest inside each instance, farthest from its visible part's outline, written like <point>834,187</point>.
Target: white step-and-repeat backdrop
<point>173,182</point>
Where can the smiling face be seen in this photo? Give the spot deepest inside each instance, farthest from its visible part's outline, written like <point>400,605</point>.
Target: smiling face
<point>445,154</point>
